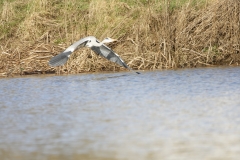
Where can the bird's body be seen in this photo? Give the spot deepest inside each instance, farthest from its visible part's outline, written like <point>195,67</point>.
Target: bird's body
<point>91,42</point>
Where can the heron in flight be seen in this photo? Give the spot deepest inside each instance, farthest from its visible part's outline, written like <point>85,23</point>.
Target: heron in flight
<point>98,47</point>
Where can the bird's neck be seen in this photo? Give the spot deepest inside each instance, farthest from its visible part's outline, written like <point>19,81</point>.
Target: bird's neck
<point>97,44</point>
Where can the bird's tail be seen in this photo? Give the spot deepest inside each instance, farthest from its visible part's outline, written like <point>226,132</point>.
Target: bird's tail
<point>59,59</point>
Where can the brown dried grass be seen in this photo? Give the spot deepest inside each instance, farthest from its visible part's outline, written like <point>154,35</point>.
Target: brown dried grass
<point>151,36</point>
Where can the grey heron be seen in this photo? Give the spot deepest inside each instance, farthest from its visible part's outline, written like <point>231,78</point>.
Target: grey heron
<point>91,42</point>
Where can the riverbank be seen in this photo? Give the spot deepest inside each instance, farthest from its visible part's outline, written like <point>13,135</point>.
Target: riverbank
<point>152,35</point>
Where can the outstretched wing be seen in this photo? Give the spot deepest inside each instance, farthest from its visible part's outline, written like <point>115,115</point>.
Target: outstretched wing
<point>109,54</point>
<point>62,58</point>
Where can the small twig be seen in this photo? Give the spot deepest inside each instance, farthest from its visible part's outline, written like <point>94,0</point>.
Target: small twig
<point>132,41</point>
<point>193,52</point>
<point>204,63</point>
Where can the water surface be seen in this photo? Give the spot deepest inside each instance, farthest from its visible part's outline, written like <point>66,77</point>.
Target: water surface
<point>182,114</point>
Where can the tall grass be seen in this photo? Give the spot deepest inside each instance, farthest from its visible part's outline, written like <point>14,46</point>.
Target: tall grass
<point>157,34</point>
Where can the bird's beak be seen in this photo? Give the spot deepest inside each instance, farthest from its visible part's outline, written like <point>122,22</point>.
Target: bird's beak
<point>114,40</point>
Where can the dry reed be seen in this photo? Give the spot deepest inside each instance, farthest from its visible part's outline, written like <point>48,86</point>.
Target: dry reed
<point>152,35</point>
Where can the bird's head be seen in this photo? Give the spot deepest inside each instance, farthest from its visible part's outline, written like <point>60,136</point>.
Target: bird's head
<point>108,40</point>
<point>94,42</point>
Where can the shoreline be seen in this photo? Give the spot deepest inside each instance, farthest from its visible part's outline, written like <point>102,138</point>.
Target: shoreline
<point>111,72</point>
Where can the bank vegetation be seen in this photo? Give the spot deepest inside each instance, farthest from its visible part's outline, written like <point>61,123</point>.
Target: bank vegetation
<point>152,34</point>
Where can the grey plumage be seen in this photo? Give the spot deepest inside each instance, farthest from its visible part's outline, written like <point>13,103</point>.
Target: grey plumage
<point>60,59</point>
<point>107,53</point>
<point>98,47</point>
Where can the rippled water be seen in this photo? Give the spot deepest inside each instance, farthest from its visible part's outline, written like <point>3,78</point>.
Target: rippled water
<point>182,114</point>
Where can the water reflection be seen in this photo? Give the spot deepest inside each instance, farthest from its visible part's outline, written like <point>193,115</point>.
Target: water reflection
<point>183,114</point>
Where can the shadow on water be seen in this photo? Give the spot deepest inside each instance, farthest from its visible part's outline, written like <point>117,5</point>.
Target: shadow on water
<point>113,76</point>
<point>182,114</point>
